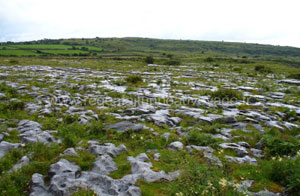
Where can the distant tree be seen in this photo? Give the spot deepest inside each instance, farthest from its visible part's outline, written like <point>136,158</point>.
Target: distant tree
<point>170,56</point>
<point>149,60</point>
<point>209,59</point>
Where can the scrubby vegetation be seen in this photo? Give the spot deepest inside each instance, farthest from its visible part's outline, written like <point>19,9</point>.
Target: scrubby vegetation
<point>226,94</point>
<point>176,103</point>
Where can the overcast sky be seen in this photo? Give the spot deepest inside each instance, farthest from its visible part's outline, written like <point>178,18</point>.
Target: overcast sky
<point>256,21</point>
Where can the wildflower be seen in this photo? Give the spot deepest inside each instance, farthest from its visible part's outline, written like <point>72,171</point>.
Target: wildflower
<point>279,159</point>
<point>179,194</point>
<point>236,186</point>
<point>209,184</point>
<point>223,182</point>
<point>298,153</point>
<point>205,192</point>
<point>23,145</point>
<point>142,138</point>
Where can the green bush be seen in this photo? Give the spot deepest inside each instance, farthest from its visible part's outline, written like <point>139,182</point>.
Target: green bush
<point>9,91</point>
<point>172,62</point>
<point>200,139</point>
<point>224,93</point>
<point>134,79</point>
<point>209,59</point>
<point>68,119</point>
<point>13,61</point>
<point>294,76</point>
<point>83,192</point>
<point>287,173</point>
<point>276,145</point>
<point>262,69</point>
<point>71,134</point>
<point>149,60</point>
<point>13,105</point>
<point>201,179</point>
<point>84,160</point>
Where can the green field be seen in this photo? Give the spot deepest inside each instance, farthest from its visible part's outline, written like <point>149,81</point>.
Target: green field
<point>41,46</point>
<point>63,52</point>
<point>155,47</point>
<point>18,53</point>
<point>47,49</point>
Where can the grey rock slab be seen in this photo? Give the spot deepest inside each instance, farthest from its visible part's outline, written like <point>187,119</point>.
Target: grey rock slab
<point>2,96</point>
<point>104,165</point>
<point>7,147</point>
<point>220,136</point>
<point>290,81</point>
<point>241,151</point>
<point>28,125</point>
<point>106,148</point>
<point>63,167</point>
<point>34,137</point>
<point>260,144</point>
<point>289,125</point>
<point>277,95</point>
<point>257,153</point>
<point>65,178</point>
<point>37,186</point>
<point>256,115</point>
<point>162,117</point>
<point>241,160</point>
<point>22,162</point>
<point>125,126</point>
<point>276,124</point>
<point>156,156</point>
<point>175,145</point>
<point>244,144</point>
<point>266,193</point>
<point>143,108</point>
<point>70,151</point>
<point>166,135</point>
<point>142,170</point>
<point>208,153</point>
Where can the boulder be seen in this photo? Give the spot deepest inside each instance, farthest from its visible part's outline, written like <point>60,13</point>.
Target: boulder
<point>106,148</point>
<point>7,147</point>
<point>241,160</point>
<point>176,145</point>
<point>241,151</point>
<point>22,162</point>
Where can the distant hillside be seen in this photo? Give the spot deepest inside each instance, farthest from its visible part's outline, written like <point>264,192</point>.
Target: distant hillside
<point>146,46</point>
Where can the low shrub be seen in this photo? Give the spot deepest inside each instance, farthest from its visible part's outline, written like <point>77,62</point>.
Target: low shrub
<point>294,76</point>
<point>172,62</point>
<point>149,60</point>
<point>287,173</point>
<point>201,179</point>
<point>12,105</point>
<point>134,79</point>
<point>277,145</point>
<point>262,69</point>
<point>209,59</point>
<point>200,139</point>
<point>224,93</point>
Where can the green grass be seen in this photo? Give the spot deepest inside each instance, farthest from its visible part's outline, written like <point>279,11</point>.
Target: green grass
<point>46,49</point>
<point>64,52</point>
<point>18,53</point>
<point>40,46</point>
